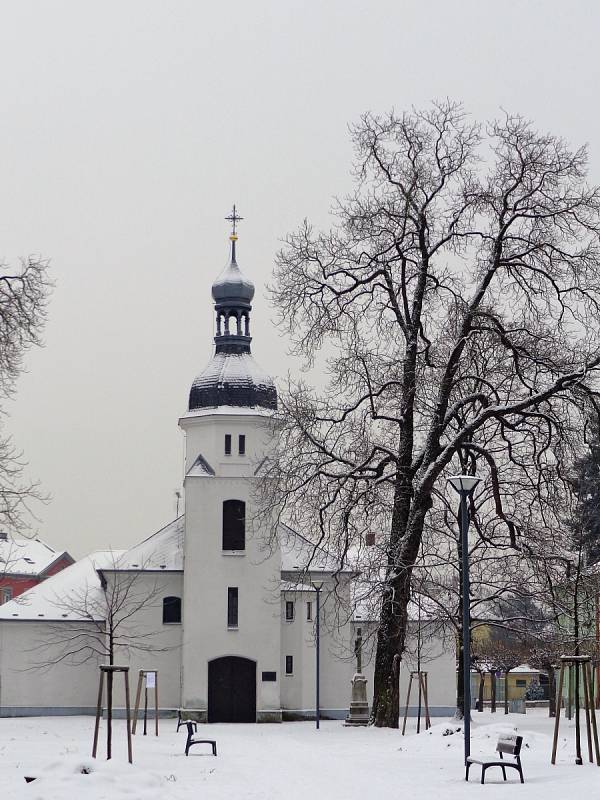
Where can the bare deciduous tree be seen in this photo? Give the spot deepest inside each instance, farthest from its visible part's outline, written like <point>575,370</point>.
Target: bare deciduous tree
<point>23,300</point>
<point>458,240</point>
<point>103,622</point>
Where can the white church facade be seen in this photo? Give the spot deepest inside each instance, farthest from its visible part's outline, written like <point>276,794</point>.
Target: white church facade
<point>223,609</point>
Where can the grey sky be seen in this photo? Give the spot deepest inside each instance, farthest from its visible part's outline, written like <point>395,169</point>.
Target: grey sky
<point>129,128</point>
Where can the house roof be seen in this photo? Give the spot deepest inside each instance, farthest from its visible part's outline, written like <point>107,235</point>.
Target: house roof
<point>164,550</point>
<point>161,551</point>
<point>61,596</point>
<point>298,554</point>
<point>366,599</point>
<point>22,556</point>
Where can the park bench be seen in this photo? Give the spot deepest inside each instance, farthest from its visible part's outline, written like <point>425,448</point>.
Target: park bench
<point>191,740</point>
<point>509,745</point>
<point>184,720</point>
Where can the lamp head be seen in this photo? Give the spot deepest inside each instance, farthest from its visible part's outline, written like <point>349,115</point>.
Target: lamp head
<point>317,584</point>
<point>463,484</point>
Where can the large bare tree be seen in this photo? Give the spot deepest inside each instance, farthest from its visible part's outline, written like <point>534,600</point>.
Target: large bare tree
<point>458,240</point>
<point>24,293</point>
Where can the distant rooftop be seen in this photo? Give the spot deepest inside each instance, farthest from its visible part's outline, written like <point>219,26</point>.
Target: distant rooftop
<point>20,555</point>
<point>59,596</point>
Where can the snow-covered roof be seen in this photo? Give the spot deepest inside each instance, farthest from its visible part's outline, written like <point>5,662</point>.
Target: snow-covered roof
<point>22,556</point>
<point>161,551</point>
<point>298,554</point>
<point>232,379</point>
<point>200,468</point>
<point>233,285</point>
<point>290,586</point>
<point>59,596</point>
<point>164,550</point>
<point>525,669</point>
<point>236,411</point>
<point>366,599</point>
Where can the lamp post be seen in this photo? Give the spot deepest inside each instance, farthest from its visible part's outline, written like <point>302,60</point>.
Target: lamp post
<point>464,485</point>
<point>318,585</point>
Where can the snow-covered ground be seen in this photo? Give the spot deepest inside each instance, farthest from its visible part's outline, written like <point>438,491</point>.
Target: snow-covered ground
<point>292,761</point>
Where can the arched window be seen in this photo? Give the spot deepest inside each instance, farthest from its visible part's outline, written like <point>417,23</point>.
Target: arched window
<point>171,609</point>
<point>234,525</point>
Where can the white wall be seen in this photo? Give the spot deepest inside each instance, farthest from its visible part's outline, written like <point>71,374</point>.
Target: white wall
<point>61,688</point>
<point>298,696</point>
<point>164,640</point>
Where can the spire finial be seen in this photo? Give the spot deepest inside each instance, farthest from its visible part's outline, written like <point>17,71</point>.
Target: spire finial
<point>234,218</point>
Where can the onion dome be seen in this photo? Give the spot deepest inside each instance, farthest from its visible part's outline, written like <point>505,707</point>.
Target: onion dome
<point>232,377</point>
<point>232,284</point>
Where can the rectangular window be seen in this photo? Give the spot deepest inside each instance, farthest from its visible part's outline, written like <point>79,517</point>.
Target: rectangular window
<point>234,525</point>
<point>269,676</point>
<point>227,444</point>
<point>289,610</point>
<point>242,444</point>
<point>232,607</point>
<point>309,611</point>
<point>6,594</point>
<point>521,682</point>
<point>289,665</point>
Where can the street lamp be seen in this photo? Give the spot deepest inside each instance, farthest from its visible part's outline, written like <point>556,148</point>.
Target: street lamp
<point>318,585</point>
<point>464,485</point>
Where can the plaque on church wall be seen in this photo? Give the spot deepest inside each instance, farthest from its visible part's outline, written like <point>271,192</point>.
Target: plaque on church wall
<point>269,676</point>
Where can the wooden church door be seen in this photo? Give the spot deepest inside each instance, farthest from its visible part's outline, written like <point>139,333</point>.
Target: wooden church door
<point>231,690</point>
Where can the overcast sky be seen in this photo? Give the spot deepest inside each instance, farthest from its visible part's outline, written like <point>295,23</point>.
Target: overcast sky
<point>128,130</point>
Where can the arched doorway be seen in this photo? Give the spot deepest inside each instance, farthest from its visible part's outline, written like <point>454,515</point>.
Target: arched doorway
<point>231,690</point>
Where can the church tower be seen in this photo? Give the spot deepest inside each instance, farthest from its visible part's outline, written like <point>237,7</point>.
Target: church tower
<point>231,613</point>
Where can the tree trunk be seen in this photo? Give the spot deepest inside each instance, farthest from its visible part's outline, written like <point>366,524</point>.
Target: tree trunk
<point>386,689</point>
<point>109,710</point>
<point>493,688</point>
<point>551,690</point>
<point>506,673</point>
<point>405,541</point>
<point>481,690</point>
<point>109,696</point>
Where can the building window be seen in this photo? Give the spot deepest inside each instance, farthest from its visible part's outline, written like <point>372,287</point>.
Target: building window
<point>521,682</point>
<point>234,525</point>
<point>242,444</point>
<point>7,594</point>
<point>289,610</point>
<point>309,611</point>
<point>232,607</point>
<point>227,444</point>
<point>171,610</point>
<point>289,665</point>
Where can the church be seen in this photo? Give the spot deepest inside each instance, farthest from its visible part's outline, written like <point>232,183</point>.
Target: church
<point>222,608</point>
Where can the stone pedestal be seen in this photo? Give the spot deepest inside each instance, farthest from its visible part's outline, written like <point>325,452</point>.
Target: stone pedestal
<point>359,705</point>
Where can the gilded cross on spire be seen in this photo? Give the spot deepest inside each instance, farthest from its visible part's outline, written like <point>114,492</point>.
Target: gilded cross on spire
<point>234,218</point>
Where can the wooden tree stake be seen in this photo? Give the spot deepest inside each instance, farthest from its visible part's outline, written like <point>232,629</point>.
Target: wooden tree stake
<point>143,682</point>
